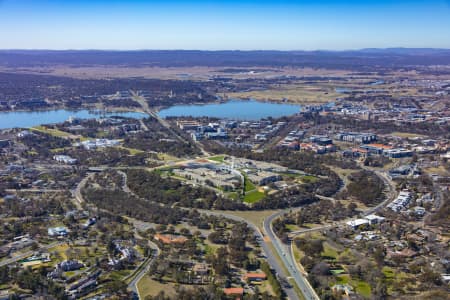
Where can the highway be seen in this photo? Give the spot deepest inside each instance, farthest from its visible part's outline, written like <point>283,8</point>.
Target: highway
<point>287,258</point>
<point>283,251</point>
<point>287,254</point>
<point>271,260</point>
<point>143,103</point>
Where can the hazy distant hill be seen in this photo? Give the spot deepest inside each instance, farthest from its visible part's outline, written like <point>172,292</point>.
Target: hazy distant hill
<point>354,59</point>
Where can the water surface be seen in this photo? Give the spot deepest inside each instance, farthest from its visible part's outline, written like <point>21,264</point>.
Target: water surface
<point>25,119</point>
<point>233,109</point>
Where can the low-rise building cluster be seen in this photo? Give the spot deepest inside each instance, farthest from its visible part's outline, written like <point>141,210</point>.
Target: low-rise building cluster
<point>97,143</point>
<point>401,202</point>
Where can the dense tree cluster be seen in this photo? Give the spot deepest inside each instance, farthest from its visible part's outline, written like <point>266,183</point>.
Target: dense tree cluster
<point>315,213</point>
<point>364,186</point>
<point>41,143</point>
<point>122,203</point>
<point>158,139</point>
<point>111,157</point>
<point>36,207</point>
<point>151,185</point>
<point>442,215</point>
<point>34,281</point>
<point>292,197</point>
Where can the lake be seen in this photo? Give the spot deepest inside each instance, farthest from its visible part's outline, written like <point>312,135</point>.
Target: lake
<point>26,119</point>
<point>233,109</point>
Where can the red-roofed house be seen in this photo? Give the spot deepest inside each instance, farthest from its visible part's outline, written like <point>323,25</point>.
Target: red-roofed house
<point>234,291</point>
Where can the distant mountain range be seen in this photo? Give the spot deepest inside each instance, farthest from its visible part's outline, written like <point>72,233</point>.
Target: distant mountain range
<point>349,59</point>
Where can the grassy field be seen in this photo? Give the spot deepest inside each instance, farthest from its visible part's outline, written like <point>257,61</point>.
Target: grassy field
<point>407,134</point>
<point>132,151</point>
<point>249,186</point>
<point>298,93</point>
<point>292,227</point>
<point>309,179</point>
<point>233,195</point>
<point>329,252</point>
<point>53,132</point>
<point>388,272</point>
<point>58,133</point>
<point>361,287</point>
<point>217,158</point>
<point>166,157</point>
<point>253,196</point>
<point>439,170</point>
<point>148,287</point>
<point>210,248</point>
<point>298,254</point>
<point>60,250</point>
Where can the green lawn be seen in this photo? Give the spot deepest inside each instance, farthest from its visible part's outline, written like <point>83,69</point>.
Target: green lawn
<point>337,272</point>
<point>211,248</point>
<point>218,158</point>
<point>119,275</point>
<point>309,179</point>
<point>233,195</point>
<point>53,132</point>
<point>388,272</point>
<point>362,288</point>
<point>292,227</point>
<point>164,170</point>
<point>342,279</point>
<point>253,196</point>
<point>131,150</point>
<point>148,287</point>
<point>329,252</point>
<point>249,186</point>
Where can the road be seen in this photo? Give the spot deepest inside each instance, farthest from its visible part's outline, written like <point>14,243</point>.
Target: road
<point>287,254</point>
<point>390,195</point>
<point>29,253</point>
<point>144,104</point>
<point>287,258</point>
<point>271,259</point>
<point>77,192</point>
<point>144,268</point>
<point>283,251</point>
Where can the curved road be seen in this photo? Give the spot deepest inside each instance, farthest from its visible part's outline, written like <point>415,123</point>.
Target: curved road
<point>271,260</point>
<point>144,268</point>
<point>283,251</point>
<point>287,253</point>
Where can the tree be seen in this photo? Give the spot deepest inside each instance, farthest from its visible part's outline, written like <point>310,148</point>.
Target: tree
<point>4,274</point>
<point>380,291</point>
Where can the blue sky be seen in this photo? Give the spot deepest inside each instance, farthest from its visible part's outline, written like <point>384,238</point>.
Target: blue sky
<point>216,25</point>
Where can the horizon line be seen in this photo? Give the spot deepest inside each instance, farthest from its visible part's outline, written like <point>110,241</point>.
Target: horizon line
<point>220,50</point>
